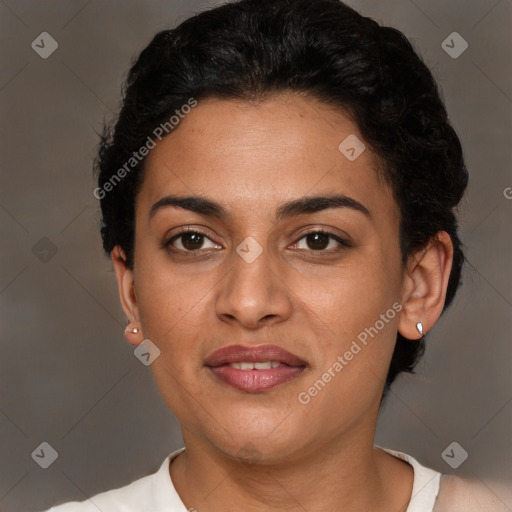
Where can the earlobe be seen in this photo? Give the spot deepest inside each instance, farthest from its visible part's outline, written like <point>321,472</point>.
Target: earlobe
<point>125,284</point>
<point>424,287</point>
<point>133,333</point>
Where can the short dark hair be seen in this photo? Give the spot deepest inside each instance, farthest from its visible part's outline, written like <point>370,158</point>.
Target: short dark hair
<point>251,49</point>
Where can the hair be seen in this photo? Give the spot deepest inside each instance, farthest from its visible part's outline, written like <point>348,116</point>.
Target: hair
<point>252,49</point>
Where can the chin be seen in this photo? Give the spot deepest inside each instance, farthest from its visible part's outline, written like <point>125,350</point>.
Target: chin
<point>259,446</point>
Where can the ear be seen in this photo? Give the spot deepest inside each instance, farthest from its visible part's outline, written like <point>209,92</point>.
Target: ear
<point>424,286</point>
<point>125,284</point>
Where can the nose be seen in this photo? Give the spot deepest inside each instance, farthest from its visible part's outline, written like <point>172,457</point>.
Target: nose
<point>254,294</point>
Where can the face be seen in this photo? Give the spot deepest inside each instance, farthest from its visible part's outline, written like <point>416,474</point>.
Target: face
<point>322,282</point>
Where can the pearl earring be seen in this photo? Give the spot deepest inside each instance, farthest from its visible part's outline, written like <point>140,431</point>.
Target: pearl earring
<point>419,326</point>
<point>133,330</point>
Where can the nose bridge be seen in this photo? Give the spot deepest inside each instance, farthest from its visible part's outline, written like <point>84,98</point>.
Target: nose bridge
<point>250,277</point>
<point>252,289</point>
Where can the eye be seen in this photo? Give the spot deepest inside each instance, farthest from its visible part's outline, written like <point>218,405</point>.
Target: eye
<point>320,241</point>
<point>190,241</point>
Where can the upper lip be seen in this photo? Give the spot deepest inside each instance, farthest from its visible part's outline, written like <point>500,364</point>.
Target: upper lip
<point>254,354</point>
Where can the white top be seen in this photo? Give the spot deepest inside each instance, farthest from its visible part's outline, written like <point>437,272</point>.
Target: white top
<point>156,492</point>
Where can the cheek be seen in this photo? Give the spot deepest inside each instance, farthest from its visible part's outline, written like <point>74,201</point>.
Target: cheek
<point>349,297</point>
<point>170,301</point>
<point>173,306</point>
<point>355,319</point>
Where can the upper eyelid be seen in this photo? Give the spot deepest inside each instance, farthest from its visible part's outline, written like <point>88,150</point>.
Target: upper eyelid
<point>186,231</point>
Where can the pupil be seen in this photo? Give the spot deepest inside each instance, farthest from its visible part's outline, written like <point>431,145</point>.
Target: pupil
<point>316,237</point>
<point>197,239</point>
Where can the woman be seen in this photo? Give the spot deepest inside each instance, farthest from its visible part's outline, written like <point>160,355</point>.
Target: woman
<point>278,200</point>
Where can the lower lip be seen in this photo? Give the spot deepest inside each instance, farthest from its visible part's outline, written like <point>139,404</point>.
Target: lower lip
<point>256,380</point>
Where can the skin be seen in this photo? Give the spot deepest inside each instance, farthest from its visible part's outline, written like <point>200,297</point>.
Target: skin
<point>266,450</point>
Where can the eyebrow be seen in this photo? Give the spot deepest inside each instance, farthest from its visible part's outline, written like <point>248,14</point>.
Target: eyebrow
<point>296,207</point>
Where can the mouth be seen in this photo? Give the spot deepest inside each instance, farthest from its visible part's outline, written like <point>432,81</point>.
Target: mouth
<point>254,369</point>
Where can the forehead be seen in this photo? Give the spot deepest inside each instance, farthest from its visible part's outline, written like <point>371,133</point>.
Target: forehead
<point>249,155</point>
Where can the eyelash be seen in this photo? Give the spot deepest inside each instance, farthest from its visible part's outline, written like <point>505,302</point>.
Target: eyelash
<point>343,243</point>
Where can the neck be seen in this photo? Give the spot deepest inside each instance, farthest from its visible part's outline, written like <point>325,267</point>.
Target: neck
<point>348,471</point>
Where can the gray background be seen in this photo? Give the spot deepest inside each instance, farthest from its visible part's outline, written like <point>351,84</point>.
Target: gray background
<point>68,377</point>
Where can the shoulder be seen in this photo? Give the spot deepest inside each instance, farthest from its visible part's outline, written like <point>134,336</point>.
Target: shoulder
<point>114,500</point>
<point>147,493</point>
<point>457,494</point>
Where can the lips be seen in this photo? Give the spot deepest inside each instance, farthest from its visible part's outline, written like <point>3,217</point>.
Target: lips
<point>259,354</point>
<point>254,369</point>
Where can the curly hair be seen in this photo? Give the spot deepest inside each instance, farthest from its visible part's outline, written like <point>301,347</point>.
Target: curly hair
<point>251,49</point>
